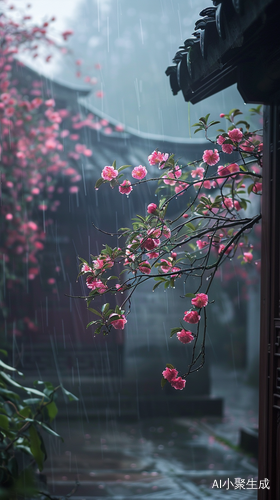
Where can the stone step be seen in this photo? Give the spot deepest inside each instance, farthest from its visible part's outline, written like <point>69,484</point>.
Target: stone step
<point>142,407</point>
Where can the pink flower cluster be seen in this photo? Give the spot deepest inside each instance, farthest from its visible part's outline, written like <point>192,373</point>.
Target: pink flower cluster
<point>171,375</point>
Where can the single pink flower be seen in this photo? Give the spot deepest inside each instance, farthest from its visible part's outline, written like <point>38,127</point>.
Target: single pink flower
<point>166,265</point>
<point>223,171</point>
<point>211,157</point>
<point>227,148</point>
<point>228,203</point>
<point>247,146</point>
<point>207,184</point>
<point>247,257</point>
<point>9,216</point>
<point>153,255</point>
<point>85,268</point>
<point>118,324</point>
<point>233,167</point>
<point>185,336</point>
<point>145,267</point>
<point>257,187</point>
<point>235,135</point>
<point>180,187</point>
<point>166,232</point>
<point>139,172</point>
<point>178,383</point>
<point>198,172</point>
<point>150,243</point>
<point>201,244</point>
<point>170,374</point>
<point>51,281</point>
<point>220,140</point>
<point>191,317</point>
<point>237,205</point>
<point>108,173</point>
<point>50,103</point>
<point>152,208</point>
<point>201,300</point>
<point>96,284</point>
<point>157,157</point>
<point>175,269</point>
<point>125,187</point>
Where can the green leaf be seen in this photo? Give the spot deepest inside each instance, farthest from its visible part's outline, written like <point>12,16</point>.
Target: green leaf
<point>105,308</point>
<point>123,167</point>
<point>99,182</point>
<point>8,394</point>
<point>157,284</point>
<point>10,368</point>
<point>71,397</point>
<point>91,323</point>
<point>2,351</point>
<point>50,431</point>
<point>4,422</point>
<point>32,401</point>
<point>190,295</point>
<point>36,447</point>
<point>174,330</point>
<point>94,311</point>
<point>114,164</point>
<point>213,123</point>
<point>52,410</point>
<point>163,382</point>
<point>190,225</point>
<point>168,365</point>
<point>249,190</point>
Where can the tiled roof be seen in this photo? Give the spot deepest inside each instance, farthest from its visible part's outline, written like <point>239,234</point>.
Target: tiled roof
<point>233,41</point>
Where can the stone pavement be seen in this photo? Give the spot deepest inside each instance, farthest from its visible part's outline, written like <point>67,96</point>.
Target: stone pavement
<point>175,458</point>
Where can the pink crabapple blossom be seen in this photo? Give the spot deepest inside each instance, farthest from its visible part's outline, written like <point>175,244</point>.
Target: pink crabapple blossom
<point>139,172</point>
<point>169,374</point>
<point>257,188</point>
<point>235,135</point>
<point>125,187</point>
<point>145,267</point>
<point>191,317</point>
<point>178,383</point>
<point>157,157</point>
<point>109,173</point>
<point>200,300</point>
<point>211,157</point>
<point>185,336</point>
<point>247,257</point>
<point>152,208</point>
<point>119,323</point>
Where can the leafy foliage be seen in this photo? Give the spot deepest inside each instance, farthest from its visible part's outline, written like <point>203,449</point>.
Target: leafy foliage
<point>26,413</point>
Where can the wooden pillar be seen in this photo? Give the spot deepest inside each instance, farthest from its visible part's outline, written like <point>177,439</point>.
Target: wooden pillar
<point>269,413</point>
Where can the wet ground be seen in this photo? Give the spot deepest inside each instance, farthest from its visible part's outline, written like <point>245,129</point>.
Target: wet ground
<point>179,458</point>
